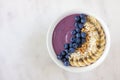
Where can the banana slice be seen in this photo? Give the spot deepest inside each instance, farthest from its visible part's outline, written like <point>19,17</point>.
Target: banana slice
<point>94,46</point>
<point>91,60</point>
<point>86,62</point>
<point>93,56</point>
<point>98,54</point>
<point>81,63</point>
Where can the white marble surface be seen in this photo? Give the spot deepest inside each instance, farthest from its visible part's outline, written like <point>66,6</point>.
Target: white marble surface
<point>23,28</point>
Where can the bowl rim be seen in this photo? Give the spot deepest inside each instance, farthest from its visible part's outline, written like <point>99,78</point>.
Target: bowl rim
<point>77,69</point>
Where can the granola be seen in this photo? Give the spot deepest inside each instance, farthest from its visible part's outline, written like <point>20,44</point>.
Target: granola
<point>94,46</point>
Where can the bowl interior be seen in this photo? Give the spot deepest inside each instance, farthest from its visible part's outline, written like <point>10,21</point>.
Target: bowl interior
<point>77,69</point>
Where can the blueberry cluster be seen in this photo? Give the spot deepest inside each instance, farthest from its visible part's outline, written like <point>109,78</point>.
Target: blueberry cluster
<point>77,39</point>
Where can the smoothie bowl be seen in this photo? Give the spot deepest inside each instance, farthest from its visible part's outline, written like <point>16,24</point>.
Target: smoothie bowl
<point>78,41</point>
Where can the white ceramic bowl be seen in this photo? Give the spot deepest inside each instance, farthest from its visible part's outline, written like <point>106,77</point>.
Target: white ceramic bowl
<point>77,69</point>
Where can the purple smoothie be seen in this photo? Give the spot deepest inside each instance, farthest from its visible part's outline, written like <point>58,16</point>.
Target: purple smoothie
<point>62,32</point>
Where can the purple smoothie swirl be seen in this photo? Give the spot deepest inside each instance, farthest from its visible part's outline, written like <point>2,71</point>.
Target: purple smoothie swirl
<point>62,32</point>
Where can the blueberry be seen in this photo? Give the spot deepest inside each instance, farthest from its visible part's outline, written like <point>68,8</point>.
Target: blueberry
<point>72,39</point>
<point>67,51</point>
<point>70,45</point>
<point>80,25</point>
<point>59,56</point>
<point>77,30</point>
<point>82,15</point>
<point>75,45</point>
<point>76,25</point>
<point>71,50</point>
<point>73,32</point>
<point>83,20</point>
<point>83,34</point>
<point>64,59</point>
<point>78,35</point>
<point>80,44</point>
<point>73,36</point>
<point>66,46</point>
<point>63,53</point>
<point>67,56</point>
<point>66,63</point>
<point>78,40</point>
<point>83,40</point>
<point>77,18</point>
